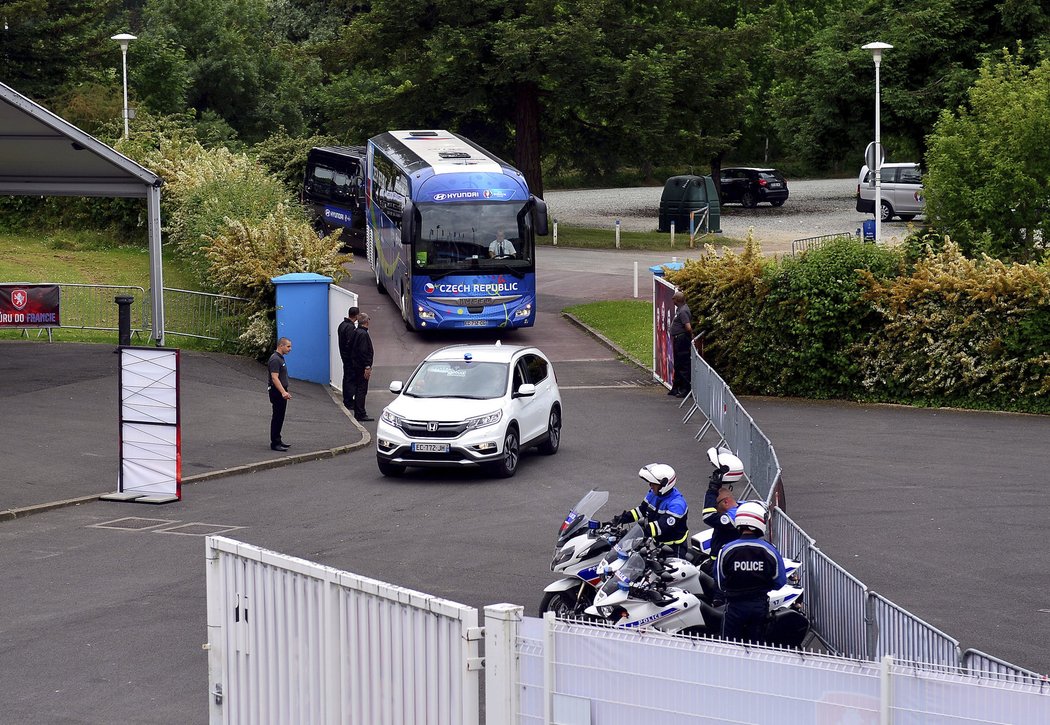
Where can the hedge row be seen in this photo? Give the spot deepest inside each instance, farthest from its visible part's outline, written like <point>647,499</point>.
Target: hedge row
<point>854,321</point>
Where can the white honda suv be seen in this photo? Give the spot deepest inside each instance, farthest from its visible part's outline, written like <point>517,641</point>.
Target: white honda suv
<point>469,405</point>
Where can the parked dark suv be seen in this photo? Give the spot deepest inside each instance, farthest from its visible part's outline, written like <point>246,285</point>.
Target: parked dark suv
<point>749,186</point>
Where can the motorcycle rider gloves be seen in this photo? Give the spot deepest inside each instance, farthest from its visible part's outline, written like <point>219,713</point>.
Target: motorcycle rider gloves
<point>623,518</point>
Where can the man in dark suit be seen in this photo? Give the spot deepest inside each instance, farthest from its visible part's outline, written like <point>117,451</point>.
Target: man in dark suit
<point>361,354</point>
<point>347,330</point>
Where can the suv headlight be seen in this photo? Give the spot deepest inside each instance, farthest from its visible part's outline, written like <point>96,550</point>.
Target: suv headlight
<point>484,420</point>
<point>390,418</point>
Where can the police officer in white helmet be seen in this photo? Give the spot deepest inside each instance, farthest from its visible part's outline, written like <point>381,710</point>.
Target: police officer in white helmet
<point>747,570</point>
<point>664,511</point>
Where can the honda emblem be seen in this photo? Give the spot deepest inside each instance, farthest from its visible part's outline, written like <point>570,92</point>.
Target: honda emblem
<point>431,426</point>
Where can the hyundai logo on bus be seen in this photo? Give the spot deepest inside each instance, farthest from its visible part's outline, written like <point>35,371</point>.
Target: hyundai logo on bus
<point>337,215</point>
<point>467,195</point>
<point>475,288</point>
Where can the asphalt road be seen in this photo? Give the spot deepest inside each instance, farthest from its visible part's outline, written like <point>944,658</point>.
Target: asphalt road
<point>943,512</point>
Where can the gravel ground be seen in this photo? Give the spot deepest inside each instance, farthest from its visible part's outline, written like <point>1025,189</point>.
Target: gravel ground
<point>815,207</point>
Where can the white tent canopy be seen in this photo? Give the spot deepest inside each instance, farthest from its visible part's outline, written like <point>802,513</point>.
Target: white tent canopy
<point>44,155</point>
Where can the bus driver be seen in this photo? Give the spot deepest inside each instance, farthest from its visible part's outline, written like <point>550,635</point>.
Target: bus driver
<point>500,247</point>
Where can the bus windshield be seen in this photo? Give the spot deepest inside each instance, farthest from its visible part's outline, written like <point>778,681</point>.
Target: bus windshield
<point>470,237</point>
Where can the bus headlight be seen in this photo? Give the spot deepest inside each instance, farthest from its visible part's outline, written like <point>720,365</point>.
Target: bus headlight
<point>425,314</point>
<point>523,312</point>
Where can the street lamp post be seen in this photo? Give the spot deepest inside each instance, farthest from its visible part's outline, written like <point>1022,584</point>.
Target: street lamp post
<point>876,49</point>
<point>125,39</point>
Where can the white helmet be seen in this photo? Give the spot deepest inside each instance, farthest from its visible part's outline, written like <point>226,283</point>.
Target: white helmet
<point>751,513</point>
<point>660,474</point>
<point>724,457</point>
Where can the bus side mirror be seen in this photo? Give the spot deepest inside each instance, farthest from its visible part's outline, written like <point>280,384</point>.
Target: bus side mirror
<point>408,222</point>
<point>539,216</point>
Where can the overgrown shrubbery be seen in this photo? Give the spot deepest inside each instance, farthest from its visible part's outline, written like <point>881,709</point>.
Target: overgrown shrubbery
<point>239,227</point>
<point>856,321</point>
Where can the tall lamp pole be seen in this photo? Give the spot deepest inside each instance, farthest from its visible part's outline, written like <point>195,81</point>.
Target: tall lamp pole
<point>125,39</point>
<point>876,49</point>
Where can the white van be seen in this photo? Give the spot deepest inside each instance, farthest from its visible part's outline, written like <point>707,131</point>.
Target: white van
<point>901,191</point>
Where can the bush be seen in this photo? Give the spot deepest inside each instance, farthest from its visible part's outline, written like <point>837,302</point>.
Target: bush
<point>856,321</point>
<point>244,257</point>
<point>962,331</point>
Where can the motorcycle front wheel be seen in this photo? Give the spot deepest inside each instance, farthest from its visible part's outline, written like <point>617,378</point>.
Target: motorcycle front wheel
<point>563,604</point>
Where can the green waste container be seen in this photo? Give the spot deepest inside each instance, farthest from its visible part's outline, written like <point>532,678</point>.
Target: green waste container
<point>685,194</point>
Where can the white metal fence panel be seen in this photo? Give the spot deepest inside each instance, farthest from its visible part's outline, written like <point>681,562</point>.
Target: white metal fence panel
<point>927,697</point>
<point>628,676</point>
<point>620,676</point>
<point>294,641</point>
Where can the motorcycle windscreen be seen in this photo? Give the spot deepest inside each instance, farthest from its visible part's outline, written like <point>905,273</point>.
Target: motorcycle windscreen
<point>581,513</point>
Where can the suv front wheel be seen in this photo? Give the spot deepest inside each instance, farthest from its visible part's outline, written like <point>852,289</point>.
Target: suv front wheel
<point>507,465</point>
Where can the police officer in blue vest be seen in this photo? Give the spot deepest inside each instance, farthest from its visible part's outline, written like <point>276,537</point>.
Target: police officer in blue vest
<point>747,570</point>
<point>664,511</point>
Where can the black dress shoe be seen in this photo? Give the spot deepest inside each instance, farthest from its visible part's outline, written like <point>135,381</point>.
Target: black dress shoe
<point>366,418</point>
<point>279,447</point>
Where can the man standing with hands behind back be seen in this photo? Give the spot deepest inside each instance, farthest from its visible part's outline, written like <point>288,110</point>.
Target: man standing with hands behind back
<point>279,395</point>
<point>361,354</point>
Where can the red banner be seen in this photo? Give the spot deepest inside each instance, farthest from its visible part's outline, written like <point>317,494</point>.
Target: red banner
<point>29,305</point>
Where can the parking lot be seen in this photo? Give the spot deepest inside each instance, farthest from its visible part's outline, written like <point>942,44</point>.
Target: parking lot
<point>815,207</point>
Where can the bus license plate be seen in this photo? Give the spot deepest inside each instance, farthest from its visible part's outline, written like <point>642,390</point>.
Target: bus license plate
<point>476,323</point>
<point>430,447</point>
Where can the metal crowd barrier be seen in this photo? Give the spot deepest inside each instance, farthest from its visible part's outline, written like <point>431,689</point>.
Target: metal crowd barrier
<point>734,425</point>
<point>204,315</point>
<point>201,315</point>
<point>801,245</point>
<point>845,615</point>
<point>985,665</point>
<point>92,307</point>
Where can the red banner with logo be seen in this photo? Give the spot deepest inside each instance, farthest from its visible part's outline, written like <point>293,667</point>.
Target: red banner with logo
<point>29,305</point>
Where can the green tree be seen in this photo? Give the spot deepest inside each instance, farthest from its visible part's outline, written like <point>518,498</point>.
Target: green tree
<point>989,163</point>
<point>594,84</point>
<point>822,101</point>
<point>48,47</point>
<point>227,58</point>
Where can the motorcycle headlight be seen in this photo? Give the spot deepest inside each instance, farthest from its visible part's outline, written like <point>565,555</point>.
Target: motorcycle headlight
<point>484,420</point>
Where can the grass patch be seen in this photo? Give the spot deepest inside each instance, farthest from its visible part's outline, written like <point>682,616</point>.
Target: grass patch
<point>82,258</point>
<point>86,257</point>
<point>588,238</point>
<point>628,323</point>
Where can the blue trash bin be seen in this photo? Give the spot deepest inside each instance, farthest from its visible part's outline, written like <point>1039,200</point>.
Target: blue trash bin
<point>869,230</point>
<point>658,269</point>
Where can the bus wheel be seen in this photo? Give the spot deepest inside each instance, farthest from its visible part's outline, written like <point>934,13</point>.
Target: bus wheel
<point>405,311</point>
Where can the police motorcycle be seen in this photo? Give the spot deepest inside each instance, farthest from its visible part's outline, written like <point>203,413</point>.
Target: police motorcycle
<point>583,543</point>
<point>636,596</point>
<point>640,594</point>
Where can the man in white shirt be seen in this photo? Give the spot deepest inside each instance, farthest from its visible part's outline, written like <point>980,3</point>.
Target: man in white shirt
<point>500,247</point>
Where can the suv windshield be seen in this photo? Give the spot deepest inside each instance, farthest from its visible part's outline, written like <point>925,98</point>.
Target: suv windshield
<point>459,379</point>
<point>472,237</point>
